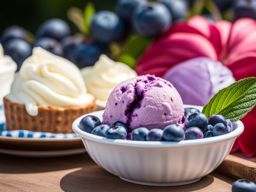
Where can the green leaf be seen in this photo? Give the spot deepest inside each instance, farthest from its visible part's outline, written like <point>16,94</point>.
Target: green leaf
<point>235,101</point>
<point>133,48</point>
<point>127,59</point>
<point>197,8</point>
<point>89,12</point>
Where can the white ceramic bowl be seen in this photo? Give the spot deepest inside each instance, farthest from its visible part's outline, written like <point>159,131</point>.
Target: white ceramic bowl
<point>158,163</point>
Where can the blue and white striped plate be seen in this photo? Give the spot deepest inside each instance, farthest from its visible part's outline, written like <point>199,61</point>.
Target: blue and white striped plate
<point>30,134</point>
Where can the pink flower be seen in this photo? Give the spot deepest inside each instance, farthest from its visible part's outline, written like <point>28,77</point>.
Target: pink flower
<point>234,44</point>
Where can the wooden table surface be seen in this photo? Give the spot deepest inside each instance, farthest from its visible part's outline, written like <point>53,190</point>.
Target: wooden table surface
<point>80,173</point>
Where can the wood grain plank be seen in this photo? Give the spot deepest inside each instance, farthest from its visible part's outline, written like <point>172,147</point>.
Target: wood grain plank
<point>80,173</point>
<point>238,166</point>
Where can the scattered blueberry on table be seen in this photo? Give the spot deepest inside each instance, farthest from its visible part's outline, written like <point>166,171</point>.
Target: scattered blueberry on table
<point>243,185</point>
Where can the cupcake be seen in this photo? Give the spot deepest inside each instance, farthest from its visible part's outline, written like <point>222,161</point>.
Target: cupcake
<point>47,95</point>
<point>104,76</point>
<point>7,72</point>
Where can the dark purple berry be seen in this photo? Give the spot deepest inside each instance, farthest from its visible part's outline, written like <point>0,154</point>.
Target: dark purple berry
<point>173,133</point>
<point>116,132</point>
<point>18,50</point>
<point>220,129</point>
<point>50,45</point>
<point>193,133</point>
<point>197,120</point>
<point>100,130</point>
<point>243,185</point>
<point>139,134</point>
<point>155,135</point>
<point>54,28</point>
<point>88,123</point>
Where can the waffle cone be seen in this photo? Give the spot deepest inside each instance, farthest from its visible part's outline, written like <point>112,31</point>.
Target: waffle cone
<point>49,119</point>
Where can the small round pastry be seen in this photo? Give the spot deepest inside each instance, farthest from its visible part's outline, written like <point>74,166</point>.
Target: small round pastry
<point>145,101</point>
<point>47,95</point>
<point>104,76</point>
<point>7,72</point>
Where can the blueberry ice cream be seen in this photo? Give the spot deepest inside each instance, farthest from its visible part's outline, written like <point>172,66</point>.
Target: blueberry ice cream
<point>145,101</point>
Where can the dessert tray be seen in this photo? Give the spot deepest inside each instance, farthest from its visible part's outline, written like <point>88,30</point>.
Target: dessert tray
<point>37,144</point>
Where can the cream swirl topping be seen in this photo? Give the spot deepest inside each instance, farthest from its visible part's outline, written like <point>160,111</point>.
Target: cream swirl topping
<point>46,79</point>
<point>6,63</point>
<point>104,76</point>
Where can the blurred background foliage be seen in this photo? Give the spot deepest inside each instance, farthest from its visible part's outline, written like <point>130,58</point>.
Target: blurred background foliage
<point>31,13</point>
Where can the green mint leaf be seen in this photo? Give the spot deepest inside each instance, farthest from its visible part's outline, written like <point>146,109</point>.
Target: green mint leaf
<point>89,12</point>
<point>235,101</point>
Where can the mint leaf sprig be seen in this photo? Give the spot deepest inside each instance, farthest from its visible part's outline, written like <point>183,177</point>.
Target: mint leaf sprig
<point>235,101</point>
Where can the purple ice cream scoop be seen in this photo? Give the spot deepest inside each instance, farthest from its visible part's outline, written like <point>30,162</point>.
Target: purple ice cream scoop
<point>145,101</point>
<point>197,80</point>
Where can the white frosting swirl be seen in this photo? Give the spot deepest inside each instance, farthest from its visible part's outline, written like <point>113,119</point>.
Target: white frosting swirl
<point>104,76</point>
<point>7,72</point>
<point>46,79</point>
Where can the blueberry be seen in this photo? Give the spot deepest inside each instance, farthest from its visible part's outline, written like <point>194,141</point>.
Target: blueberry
<point>126,8</point>
<point>87,54</point>
<point>177,8</point>
<point>155,135</point>
<point>244,8</point>
<point>50,45</point>
<point>197,120</point>
<point>100,130</point>
<point>54,28</point>
<point>243,185</point>
<point>190,110</point>
<point>209,132</point>
<point>139,134</point>
<point>14,32</point>
<point>193,133</point>
<point>116,132</point>
<point>224,5</point>
<point>173,133</point>
<point>213,120</point>
<point>119,123</point>
<point>151,19</point>
<point>18,50</point>
<point>88,123</point>
<point>107,27</point>
<point>230,125</point>
<point>69,44</point>
<point>220,129</point>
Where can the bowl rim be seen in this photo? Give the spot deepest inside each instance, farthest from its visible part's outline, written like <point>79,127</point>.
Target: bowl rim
<point>155,144</point>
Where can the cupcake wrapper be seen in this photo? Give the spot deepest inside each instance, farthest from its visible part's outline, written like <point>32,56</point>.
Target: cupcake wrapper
<point>49,119</point>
